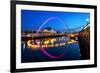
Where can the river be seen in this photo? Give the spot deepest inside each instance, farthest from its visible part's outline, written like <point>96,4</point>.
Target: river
<point>36,55</point>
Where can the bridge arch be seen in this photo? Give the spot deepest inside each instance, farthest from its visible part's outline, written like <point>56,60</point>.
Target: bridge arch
<point>42,49</point>
<point>51,18</point>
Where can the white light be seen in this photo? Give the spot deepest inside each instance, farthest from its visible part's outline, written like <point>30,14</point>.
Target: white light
<point>87,19</point>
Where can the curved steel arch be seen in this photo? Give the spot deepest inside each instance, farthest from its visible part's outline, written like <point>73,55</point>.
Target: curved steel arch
<point>51,19</point>
<point>42,49</point>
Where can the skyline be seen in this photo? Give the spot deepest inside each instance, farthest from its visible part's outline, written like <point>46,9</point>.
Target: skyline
<point>61,21</point>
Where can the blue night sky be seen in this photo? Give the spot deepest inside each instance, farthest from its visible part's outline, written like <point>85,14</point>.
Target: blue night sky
<point>33,19</point>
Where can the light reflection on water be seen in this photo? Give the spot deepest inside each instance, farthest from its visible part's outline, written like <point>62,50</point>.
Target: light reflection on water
<point>31,55</point>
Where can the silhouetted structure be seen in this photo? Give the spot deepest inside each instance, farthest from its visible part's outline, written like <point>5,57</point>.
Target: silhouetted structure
<point>84,43</point>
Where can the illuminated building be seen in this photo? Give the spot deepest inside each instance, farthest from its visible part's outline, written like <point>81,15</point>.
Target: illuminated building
<point>47,38</point>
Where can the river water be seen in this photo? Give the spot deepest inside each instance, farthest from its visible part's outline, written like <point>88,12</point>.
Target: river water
<point>36,55</point>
